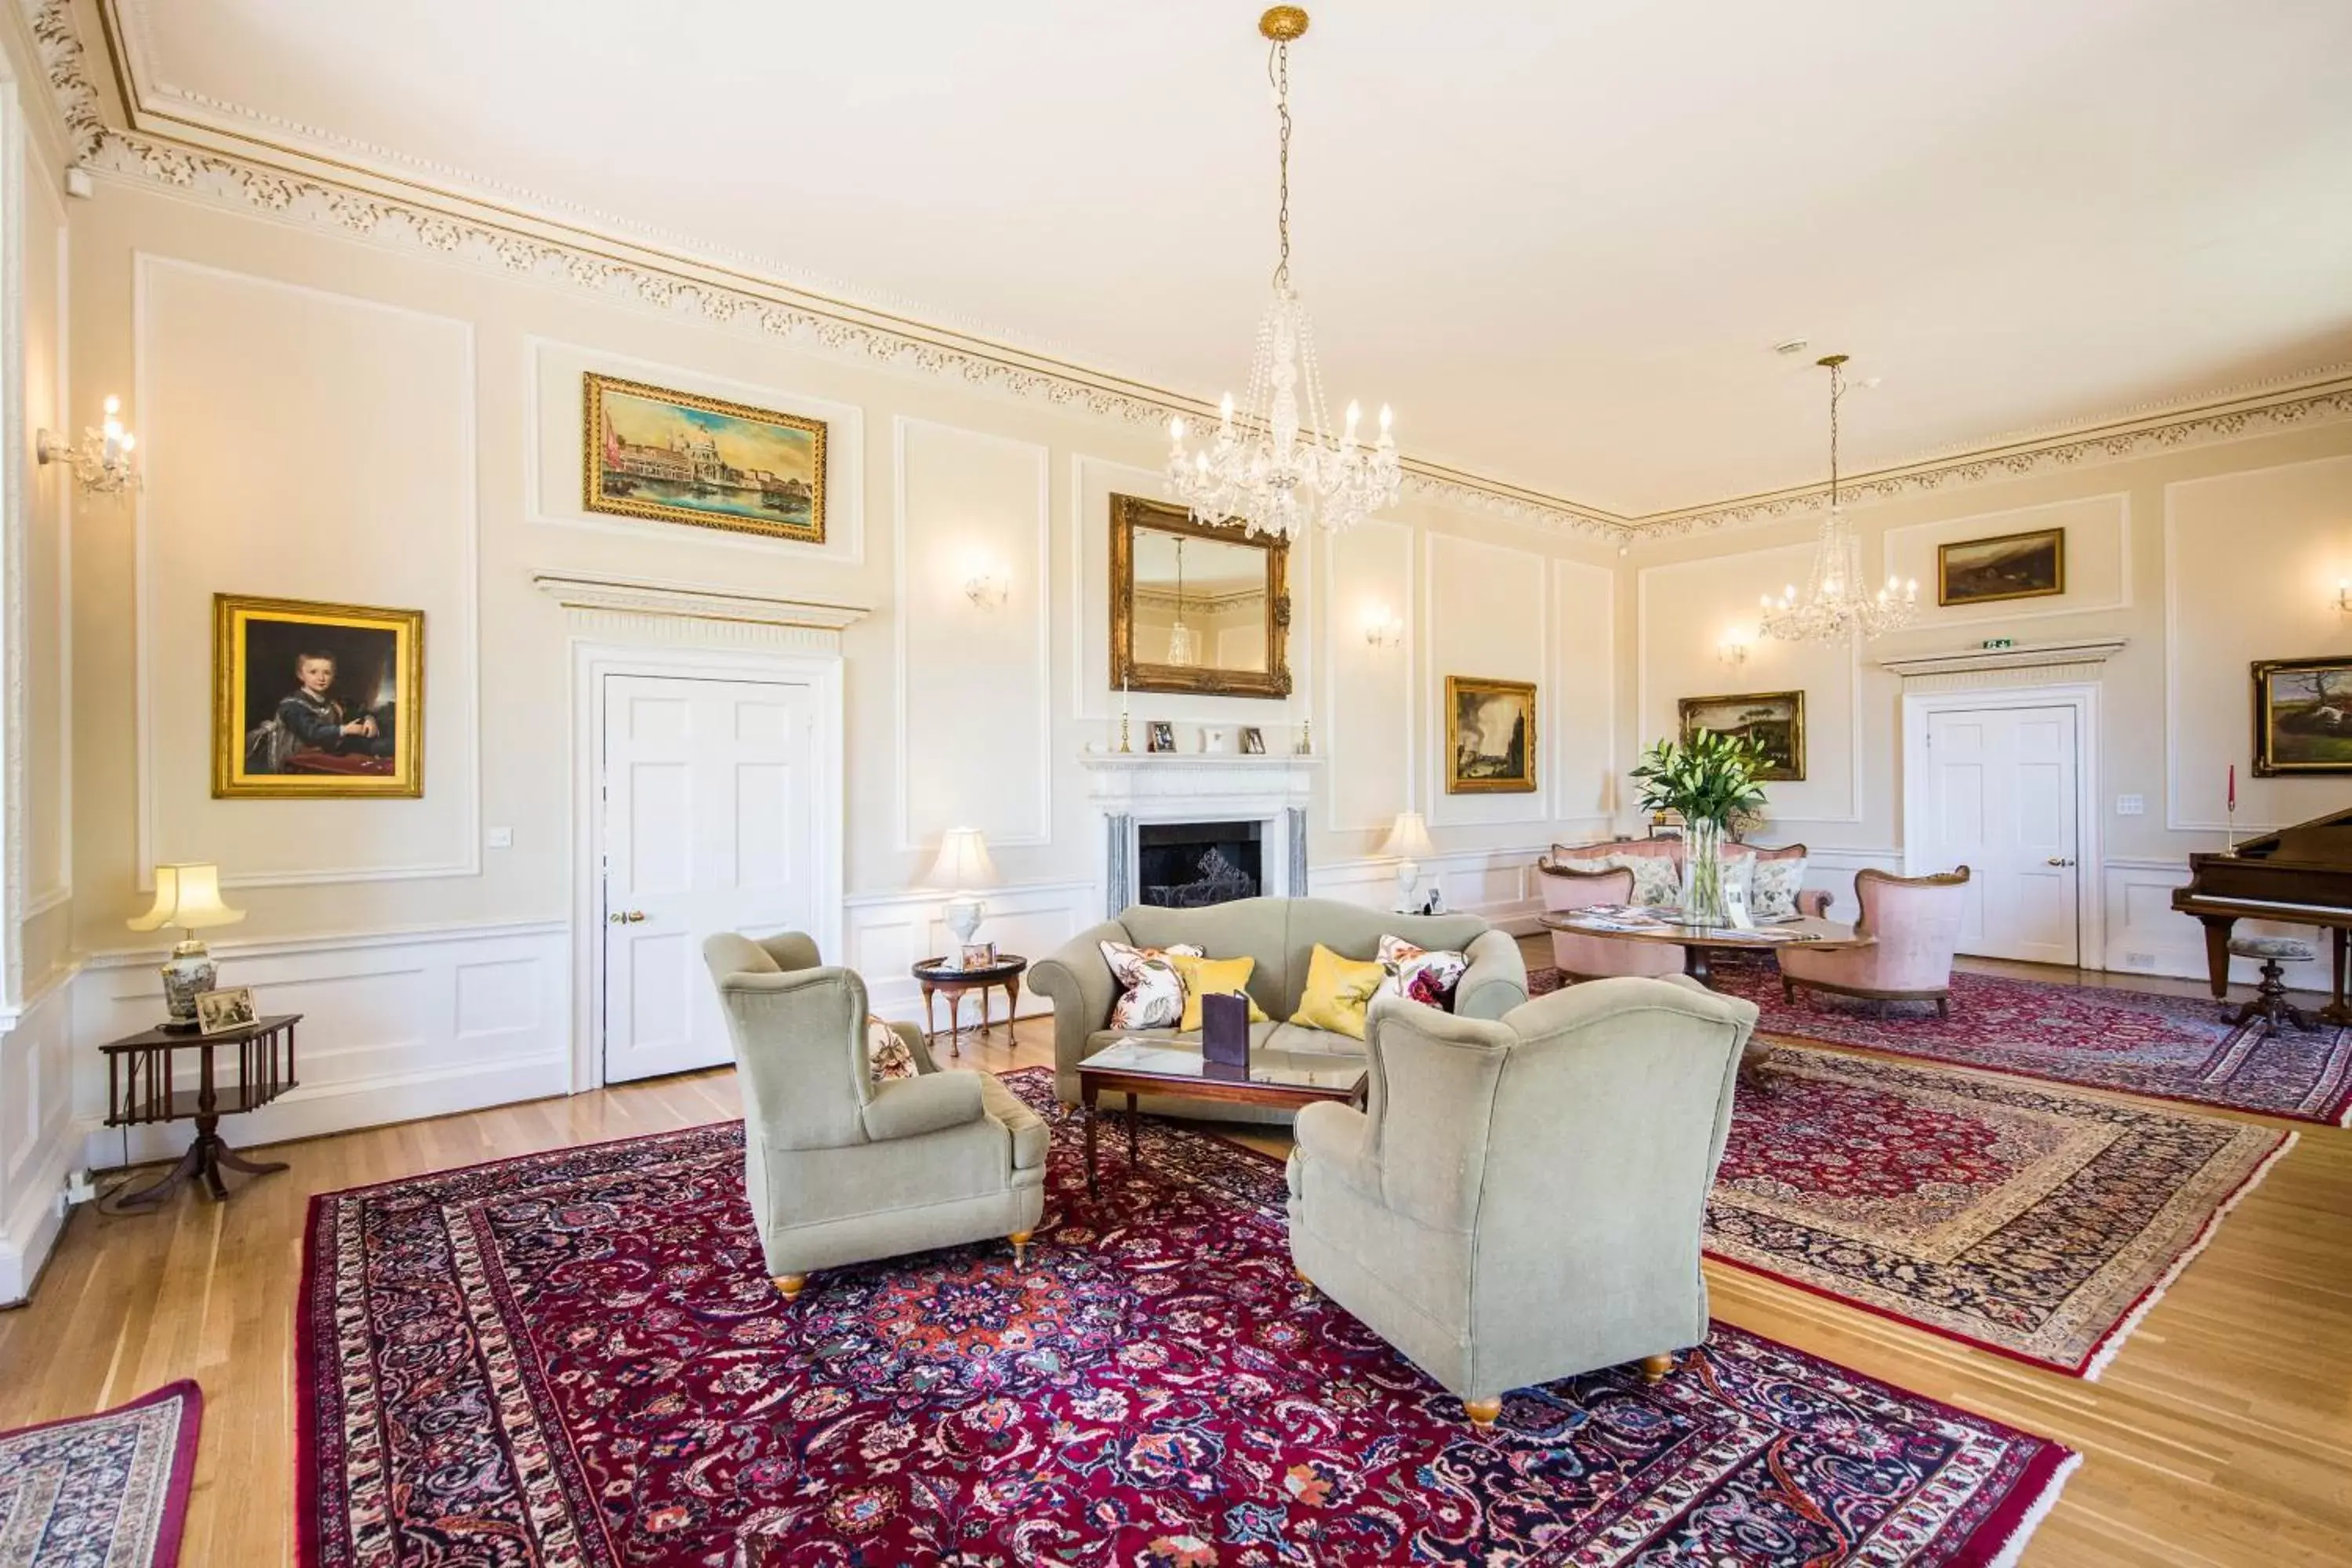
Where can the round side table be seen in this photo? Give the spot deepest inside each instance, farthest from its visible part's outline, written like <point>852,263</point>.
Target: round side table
<point>937,975</point>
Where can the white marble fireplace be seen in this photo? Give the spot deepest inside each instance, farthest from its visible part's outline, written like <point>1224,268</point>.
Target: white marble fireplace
<point>1132,789</point>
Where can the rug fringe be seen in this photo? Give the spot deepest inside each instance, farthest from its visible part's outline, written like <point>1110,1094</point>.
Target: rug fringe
<point>2112,1341</point>
<point>2014,1547</point>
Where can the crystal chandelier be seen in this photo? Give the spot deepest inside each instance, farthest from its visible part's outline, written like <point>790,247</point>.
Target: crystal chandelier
<point>1836,606</point>
<point>1184,645</point>
<point>1272,464</point>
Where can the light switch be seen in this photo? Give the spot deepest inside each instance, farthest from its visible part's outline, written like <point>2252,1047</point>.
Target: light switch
<point>499,838</point>
<point>2131,805</point>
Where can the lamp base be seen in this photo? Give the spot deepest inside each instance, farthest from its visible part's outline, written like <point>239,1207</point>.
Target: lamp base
<point>1408,884</point>
<point>187,975</point>
<point>963,918</point>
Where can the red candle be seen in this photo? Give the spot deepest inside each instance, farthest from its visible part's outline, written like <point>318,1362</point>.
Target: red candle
<point>2233,787</point>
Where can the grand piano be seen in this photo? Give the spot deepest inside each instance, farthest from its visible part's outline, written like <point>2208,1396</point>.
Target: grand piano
<point>2300,875</point>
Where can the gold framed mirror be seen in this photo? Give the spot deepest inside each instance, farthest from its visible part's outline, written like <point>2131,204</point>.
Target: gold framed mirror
<point>1195,608</point>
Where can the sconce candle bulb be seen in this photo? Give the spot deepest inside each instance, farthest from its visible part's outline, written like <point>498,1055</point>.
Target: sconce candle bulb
<point>101,459</point>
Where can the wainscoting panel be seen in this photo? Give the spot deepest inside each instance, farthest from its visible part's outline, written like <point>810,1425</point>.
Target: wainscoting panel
<point>886,933</point>
<point>2146,936</point>
<point>36,1141</point>
<point>394,1026</point>
<point>1498,885</point>
<point>1834,869</point>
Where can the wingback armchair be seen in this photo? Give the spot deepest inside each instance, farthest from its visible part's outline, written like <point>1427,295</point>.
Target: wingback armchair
<point>1521,1199</point>
<point>840,1169</point>
<point>1917,922</point>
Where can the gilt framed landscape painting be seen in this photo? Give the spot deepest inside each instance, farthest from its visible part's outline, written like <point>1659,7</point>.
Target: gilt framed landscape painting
<point>2302,716</point>
<point>679,456</point>
<point>1490,736</point>
<point>312,699</point>
<point>2011,566</point>
<point>1775,720</point>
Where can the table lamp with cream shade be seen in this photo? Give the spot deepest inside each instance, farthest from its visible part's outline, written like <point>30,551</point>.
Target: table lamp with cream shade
<point>963,868</point>
<point>1409,841</point>
<point>187,895</point>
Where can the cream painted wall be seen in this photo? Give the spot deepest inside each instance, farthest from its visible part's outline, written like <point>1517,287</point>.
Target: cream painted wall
<point>2202,559</point>
<point>323,418</point>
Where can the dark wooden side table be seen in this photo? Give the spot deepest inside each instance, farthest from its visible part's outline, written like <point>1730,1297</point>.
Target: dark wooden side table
<point>139,1088</point>
<point>936,974</point>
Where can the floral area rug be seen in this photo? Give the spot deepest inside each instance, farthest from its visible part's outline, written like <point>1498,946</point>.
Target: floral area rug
<point>575,1359</point>
<point>2167,1047</point>
<point>108,1490</point>
<point>2036,1224</point>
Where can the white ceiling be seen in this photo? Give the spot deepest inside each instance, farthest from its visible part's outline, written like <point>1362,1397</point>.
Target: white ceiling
<point>1557,237</point>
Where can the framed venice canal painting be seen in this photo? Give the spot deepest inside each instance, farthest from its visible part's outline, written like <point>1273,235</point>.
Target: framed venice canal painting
<point>314,700</point>
<point>677,457</point>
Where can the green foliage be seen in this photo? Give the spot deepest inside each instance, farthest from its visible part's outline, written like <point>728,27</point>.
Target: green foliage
<point>1709,778</point>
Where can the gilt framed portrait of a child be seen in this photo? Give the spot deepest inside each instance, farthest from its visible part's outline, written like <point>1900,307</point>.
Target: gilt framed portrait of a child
<point>313,699</point>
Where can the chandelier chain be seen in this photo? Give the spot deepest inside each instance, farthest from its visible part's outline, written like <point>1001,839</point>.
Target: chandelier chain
<point>1837,395</point>
<point>1277,71</point>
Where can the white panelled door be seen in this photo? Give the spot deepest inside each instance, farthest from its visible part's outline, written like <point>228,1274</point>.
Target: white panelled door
<point>2002,801</point>
<point>708,828</point>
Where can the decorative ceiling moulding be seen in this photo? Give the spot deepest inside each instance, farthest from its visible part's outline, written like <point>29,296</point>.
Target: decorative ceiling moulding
<point>409,215</point>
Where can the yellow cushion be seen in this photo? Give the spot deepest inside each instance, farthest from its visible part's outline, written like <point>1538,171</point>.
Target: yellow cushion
<point>1205,974</point>
<point>1338,990</point>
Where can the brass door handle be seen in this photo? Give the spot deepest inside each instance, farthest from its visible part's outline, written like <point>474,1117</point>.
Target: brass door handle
<point>2061,860</point>
<point>625,917</point>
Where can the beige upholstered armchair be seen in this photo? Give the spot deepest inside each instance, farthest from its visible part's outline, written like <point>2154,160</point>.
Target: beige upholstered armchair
<point>1521,1200</point>
<point>1917,924</point>
<point>842,1170</point>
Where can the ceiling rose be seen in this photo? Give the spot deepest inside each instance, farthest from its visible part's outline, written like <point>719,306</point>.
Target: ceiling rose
<point>1274,464</point>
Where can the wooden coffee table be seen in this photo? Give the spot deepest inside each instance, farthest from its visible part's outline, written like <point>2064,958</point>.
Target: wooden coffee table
<point>1813,932</point>
<point>1284,1079</point>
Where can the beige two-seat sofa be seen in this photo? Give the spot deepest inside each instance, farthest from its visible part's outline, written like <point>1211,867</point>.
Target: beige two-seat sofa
<point>1281,935</point>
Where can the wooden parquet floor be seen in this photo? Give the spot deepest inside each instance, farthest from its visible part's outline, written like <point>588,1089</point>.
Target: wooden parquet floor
<point>2219,1437</point>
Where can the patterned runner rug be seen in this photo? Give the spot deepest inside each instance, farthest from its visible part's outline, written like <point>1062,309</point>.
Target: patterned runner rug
<point>2167,1048</point>
<point>574,1358</point>
<point>107,1490</point>
<point>2036,1224</point>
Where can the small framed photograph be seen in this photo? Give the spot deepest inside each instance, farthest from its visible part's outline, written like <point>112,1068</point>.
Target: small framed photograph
<point>979,955</point>
<point>1162,736</point>
<point>218,1012</point>
<point>1252,740</point>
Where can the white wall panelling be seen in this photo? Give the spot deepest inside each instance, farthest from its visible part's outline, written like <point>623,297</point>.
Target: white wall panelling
<point>2231,599</point>
<point>886,934</point>
<point>2146,935</point>
<point>1486,612</point>
<point>395,1026</point>
<point>551,472</point>
<point>1368,718</point>
<point>1582,693</point>
<point>2098,559</point>
<point>47,499</point>
<point>1832,871</point>
<point>1498,885</point>
<point>248,408</point>
<point>1685,610</point>
<point>37,1144</point>
<point>973,699</point>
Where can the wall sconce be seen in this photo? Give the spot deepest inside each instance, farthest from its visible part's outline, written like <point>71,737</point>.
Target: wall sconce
<point>1385,629</point>
<point>986,585</point>
<point>102,461</point>
<point>1732,651</point>
<point>2344,595</point>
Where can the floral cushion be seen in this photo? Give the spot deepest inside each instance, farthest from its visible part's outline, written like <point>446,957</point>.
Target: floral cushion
<point>1151,993</point>
<point>1773,886</point>
<point>1418,974</point>
<point>1657,878</point>
<point>887,1054</point>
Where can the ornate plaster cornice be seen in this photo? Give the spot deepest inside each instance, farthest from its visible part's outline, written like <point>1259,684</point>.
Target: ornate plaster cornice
<point>596,254</point>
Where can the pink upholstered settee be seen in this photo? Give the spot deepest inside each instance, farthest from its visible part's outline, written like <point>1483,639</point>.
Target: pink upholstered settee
<point>1917,920</point>
<point>1571,878</point>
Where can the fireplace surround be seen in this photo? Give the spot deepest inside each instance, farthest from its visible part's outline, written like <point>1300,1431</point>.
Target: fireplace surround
<point>1162,814</point>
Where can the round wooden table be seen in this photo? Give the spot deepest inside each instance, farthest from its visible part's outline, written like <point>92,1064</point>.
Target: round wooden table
<point>937,974</point>
<point>1698,941</point>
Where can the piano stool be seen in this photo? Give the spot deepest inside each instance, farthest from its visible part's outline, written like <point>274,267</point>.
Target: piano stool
<point>2269,1004</point>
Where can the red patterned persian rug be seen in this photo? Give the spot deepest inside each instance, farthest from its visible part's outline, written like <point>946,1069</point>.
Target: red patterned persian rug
<point>2167,1047</point>
<point>107,1490</point>
<point>575,1360</point>
<point>2036,1224</point>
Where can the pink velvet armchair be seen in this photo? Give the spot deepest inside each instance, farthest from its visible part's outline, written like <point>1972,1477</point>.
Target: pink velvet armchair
<point>1917,920</point>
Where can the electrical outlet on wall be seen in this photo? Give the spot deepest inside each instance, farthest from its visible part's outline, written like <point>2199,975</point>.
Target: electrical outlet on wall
<point>2131,805</point>
<point>2140,960</point>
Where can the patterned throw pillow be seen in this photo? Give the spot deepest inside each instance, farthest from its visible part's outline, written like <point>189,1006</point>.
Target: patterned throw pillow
<point>1773,888</point>
<point>1421,975</point>
<point>887,1054</point>
<point>1657,878</point>
<point>1151,994</point>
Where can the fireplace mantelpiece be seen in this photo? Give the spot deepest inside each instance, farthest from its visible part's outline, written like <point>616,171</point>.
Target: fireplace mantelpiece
<point>1133,787</point>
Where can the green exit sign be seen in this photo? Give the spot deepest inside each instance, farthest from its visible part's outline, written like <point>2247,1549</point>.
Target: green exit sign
<point>1999,642</point>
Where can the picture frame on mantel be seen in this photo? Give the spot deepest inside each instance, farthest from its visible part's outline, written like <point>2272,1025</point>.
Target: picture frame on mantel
<point>1196,607</point>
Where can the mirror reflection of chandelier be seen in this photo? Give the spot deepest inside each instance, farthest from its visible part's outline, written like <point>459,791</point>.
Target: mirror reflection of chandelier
<point>1837,605</point>
<point>1184,645</point>
<point>1272,464</point>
